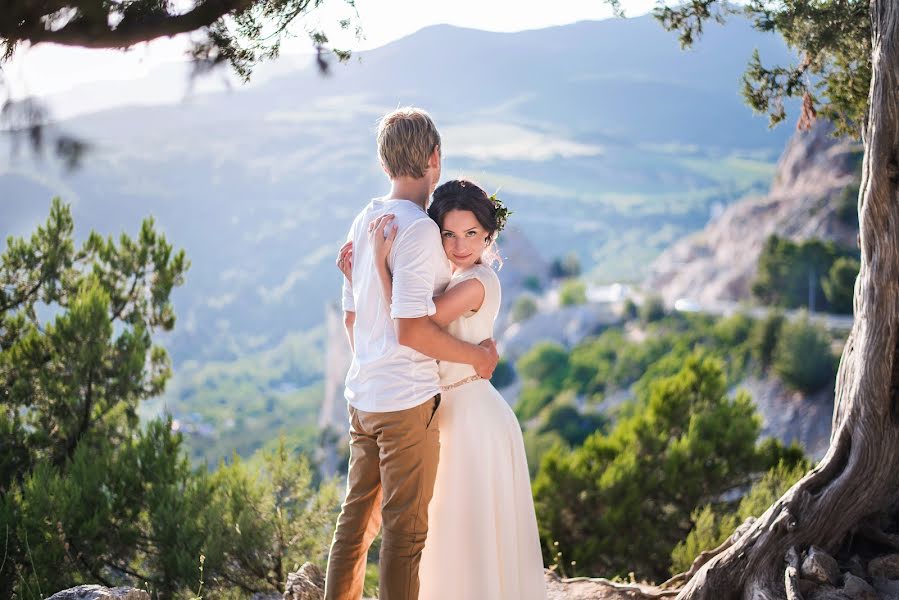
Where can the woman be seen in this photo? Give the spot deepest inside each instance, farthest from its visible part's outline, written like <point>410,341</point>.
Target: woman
<point>482,539</point>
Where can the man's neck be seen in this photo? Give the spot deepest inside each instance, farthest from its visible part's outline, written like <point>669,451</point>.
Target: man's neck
<point>407,188</point>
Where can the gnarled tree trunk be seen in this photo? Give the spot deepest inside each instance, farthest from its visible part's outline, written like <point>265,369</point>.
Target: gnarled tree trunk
<point>858,478</point>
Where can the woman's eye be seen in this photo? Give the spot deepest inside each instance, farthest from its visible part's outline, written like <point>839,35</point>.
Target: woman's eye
<point>470,234</point>
<point>447,234</point>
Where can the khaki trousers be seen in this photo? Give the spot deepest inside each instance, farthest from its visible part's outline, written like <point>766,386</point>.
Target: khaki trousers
<point>393,463</point>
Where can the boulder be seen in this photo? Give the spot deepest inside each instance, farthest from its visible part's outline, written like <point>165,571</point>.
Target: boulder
<point>820,567</point>
<point>885,566</point>
<point>857,588</point>
<point>308,583</point>
<point>99,592</point>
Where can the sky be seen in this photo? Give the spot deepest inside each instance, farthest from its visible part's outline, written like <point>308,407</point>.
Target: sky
<point>48,69</point>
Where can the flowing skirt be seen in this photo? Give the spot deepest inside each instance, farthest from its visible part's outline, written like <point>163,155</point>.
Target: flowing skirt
<point>482,541</point>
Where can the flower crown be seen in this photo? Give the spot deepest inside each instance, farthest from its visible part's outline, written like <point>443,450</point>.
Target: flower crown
<point>502,213</point>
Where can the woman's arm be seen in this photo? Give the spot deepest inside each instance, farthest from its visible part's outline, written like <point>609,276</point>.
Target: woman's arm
<point>381,239</point>
<point>465,297</point>
<point>462,298</point>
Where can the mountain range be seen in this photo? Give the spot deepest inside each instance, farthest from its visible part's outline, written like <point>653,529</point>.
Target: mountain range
<point>604,138</point>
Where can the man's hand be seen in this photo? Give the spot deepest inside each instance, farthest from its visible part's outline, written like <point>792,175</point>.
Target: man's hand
<point>487,365</point>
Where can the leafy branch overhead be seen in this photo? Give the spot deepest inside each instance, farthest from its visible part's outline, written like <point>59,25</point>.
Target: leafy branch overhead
<point>242,33</point>
<point>831,37</point>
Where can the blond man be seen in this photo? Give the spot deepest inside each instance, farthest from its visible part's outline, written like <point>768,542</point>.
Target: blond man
<point>392,387</point>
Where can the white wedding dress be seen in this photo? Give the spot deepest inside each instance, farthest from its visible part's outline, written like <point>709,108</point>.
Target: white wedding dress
<point>482,541</point>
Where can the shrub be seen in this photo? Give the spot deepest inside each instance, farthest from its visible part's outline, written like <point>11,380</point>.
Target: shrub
<point>802,357</point>
<point>546,365</point>
<point>652,309</point>
<point>572,293</point>
<point>524,308</point>
<point>623,500</point>
<point>711,529</point>
<point>763,338</point>
<point>503,375</point>
<point>839,285</point>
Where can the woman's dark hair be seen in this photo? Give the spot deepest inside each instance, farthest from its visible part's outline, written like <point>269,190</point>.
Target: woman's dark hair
<point>460,194</point>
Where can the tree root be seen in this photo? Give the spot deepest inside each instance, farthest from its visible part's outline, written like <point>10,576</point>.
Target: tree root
<point>791,575</point>
<point>632,590</point>
<point>678,580</point>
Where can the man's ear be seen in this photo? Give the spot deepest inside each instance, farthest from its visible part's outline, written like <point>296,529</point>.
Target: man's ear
<point>384,168</point>
<point>434,159</point>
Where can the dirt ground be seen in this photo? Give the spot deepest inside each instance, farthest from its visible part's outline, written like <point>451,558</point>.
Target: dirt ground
<point>582,588</point>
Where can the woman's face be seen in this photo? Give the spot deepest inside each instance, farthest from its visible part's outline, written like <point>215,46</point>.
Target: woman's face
<point>464,240</point>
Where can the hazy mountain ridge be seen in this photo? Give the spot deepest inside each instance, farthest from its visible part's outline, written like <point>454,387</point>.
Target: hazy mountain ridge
<point>259,186</point>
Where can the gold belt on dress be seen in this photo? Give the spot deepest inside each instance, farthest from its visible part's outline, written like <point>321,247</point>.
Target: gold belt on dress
<point>469,379</point>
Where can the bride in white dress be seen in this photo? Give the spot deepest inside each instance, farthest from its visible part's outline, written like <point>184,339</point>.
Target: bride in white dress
<point>482,541</point>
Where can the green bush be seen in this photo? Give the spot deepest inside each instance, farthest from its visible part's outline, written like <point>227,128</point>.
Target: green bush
<point>763,339</point>
<point>532,283</point>
<point>839,285</point>
<point>789,273</point>
<point>85,487</point>
<point>524,308</point>
<point>572,293</point>
<point>732,331</point>
<point>630,311</point>
<point>711,529</point>
<point>570,266</point>
<point>503,375</point>
<point>803,358</point>
<point>531,401</point>
<point>546,365</point>
<point>623,500</point>
<point>847,204</point>
<point>537,444</point>
<point>652,309</point>
<point>573,426</point>
<point>591,362</point>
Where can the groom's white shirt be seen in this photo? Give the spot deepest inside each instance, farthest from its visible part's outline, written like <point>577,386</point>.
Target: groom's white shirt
<point>385,376</point>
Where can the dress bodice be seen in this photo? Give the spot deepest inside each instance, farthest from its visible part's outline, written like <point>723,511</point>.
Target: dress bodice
<point>474,326</point>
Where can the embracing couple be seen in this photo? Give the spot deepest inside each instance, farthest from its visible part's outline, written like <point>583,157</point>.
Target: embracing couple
<point>436,455</point>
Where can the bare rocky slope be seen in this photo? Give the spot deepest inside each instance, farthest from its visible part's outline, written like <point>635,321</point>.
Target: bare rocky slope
<point>719,262</point>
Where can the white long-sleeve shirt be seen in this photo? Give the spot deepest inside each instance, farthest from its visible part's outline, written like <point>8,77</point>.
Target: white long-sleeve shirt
<point>385,376</point>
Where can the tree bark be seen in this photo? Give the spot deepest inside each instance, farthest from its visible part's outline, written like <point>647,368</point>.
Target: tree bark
<point>857,478</point>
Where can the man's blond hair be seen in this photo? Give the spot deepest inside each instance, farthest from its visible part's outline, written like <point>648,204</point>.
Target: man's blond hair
<point>406,139</point>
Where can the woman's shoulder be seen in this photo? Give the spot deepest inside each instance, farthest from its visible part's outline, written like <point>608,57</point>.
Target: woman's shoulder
<point>478,271</point>
<point>487,272</point>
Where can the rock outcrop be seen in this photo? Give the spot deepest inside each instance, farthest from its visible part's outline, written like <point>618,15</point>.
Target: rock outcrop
<point>719,262</point>
<point>98,592</point>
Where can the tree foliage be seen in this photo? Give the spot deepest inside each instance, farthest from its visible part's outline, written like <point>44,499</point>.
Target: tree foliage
<point>240,32</point>
<point>572,293</point>
<point>803,358</point>
<point>832,39</point>
<point>792,275</point>
<point>686,444</point>
<point>712,525</point>
<point>87,492</point>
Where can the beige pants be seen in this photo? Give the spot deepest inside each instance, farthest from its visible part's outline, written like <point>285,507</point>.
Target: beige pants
<point>393,463</point>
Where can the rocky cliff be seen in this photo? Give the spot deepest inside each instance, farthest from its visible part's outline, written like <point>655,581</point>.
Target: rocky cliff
<point>719,262</point>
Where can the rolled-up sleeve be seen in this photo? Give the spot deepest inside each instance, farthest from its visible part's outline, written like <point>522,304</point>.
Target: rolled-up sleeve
<point>347,302</point>
<point>416,256</point>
